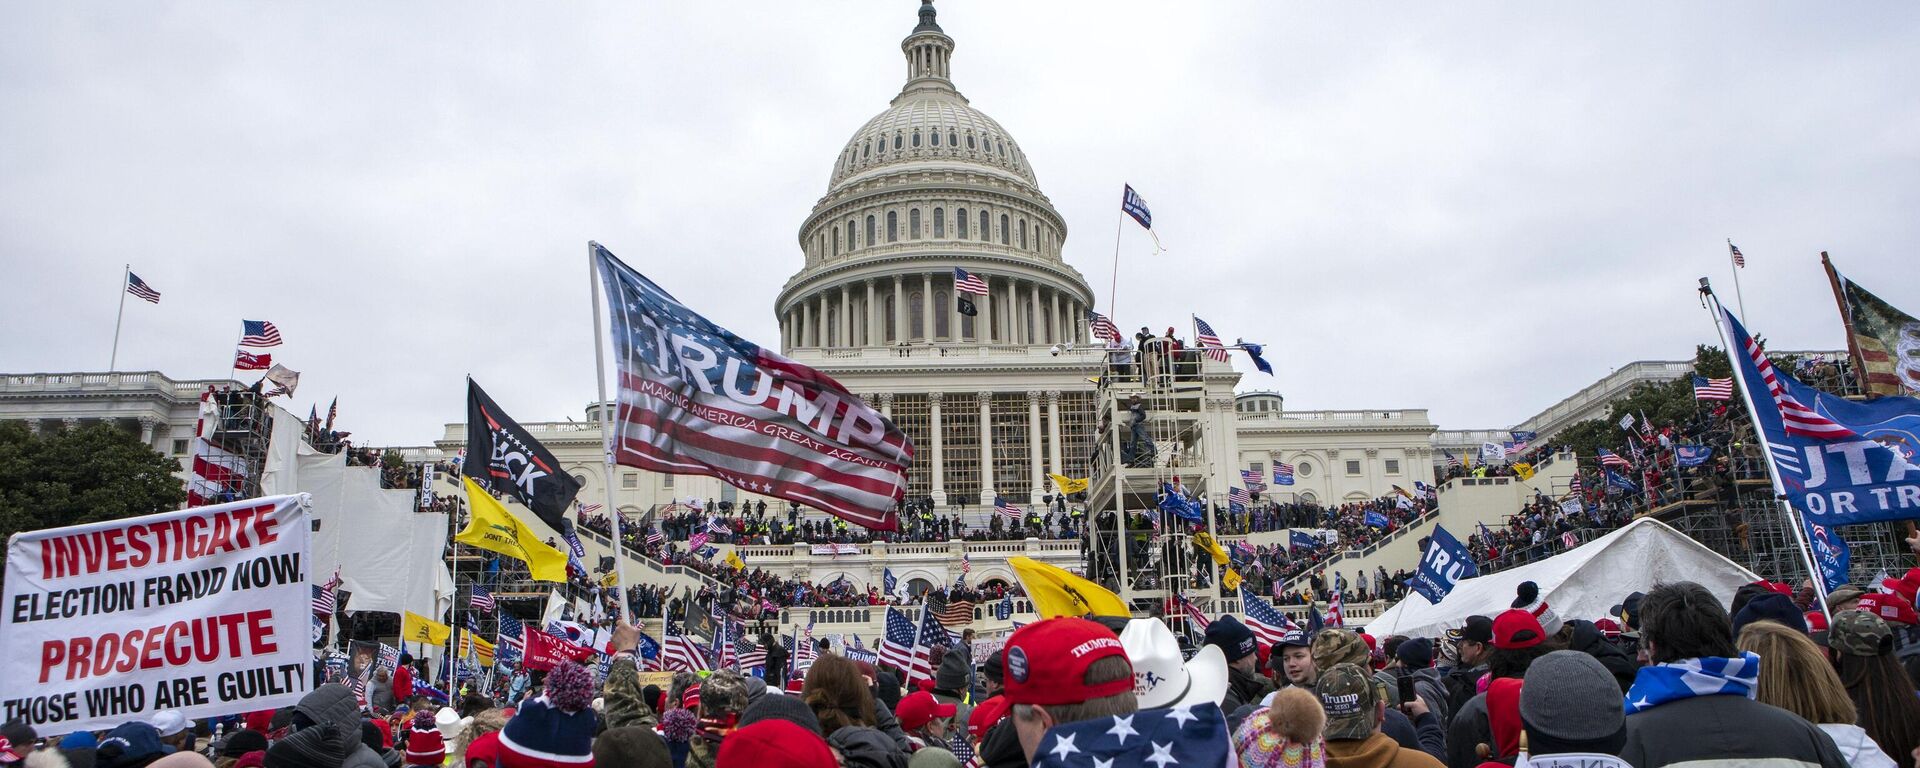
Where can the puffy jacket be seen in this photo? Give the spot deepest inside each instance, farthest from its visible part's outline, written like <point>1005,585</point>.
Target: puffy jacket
<point>867,748</point>
<point>1244,688</point>
<point>1712,731</point>
<point>334,706</point>
<point>623,698</point>
<point>1587,639</point>
<point>1860,750</point>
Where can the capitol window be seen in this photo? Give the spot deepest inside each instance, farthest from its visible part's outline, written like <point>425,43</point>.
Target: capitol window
<point>666,482</point>
<point>1023,233</point>
<point>970,141</point>
<point>870,231</point>
<point>984,225</point>
<point>1305,469</point>
<point>866,150</point>
<point>960,220</point>
<point>1353,467</point>
<point>850,234</point>
<point>1005,236</point>
<point>893,226</point>
<point>916,139</point>
<point>935,138</point>
<point>913,223</point>
<point>939,222</point>
<point>629,480</point>
<point>896,141</point>
<point>836,241</point>
<point>1393,466</point>
<point>952,139</point>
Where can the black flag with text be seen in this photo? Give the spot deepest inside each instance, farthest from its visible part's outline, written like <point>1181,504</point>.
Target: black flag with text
<point>504,458</point>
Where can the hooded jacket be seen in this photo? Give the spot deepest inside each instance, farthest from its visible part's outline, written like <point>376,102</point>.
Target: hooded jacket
<point>1000,748</point>
<point>1376,751</point>
<point>1712,731</point>
<point>1244,688</point>
<point>1860,750</point>
<point>861,747</point>
<point>1587,639</point>
<point>334,707</point>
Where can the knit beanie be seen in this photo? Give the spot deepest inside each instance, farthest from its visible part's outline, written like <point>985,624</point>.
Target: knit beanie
<point>555,729</point>
<point>780,707</point>
<point>953,673</point>
<point>1571,703</point>
<point>1769,606</point>
<point>1527,598</point>
<point>1416,653</point>
<point>1287,734</point>
<point>424,744</point>
<point>240,743</point>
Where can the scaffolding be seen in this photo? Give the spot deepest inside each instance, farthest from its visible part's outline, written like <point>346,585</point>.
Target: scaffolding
<point>1141,552</point>
<point>236,430</point>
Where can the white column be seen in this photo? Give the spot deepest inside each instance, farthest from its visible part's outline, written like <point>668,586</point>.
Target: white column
<point>806,323</point>
<point>1033,444</point>
<point>147,423</point>
<point>986,447</point>
<point>1039,335</point>
<point>872,316</point>
<point>926,305</point>
<point>886,404</point>
<point>1053,432</point>
<point>899,310</point>
<point>953,313</point>
<point>1013,332</point>
<point>939,448</point>
<point>1053,316</point>
<point>984,323</point>
<point>846,316</point>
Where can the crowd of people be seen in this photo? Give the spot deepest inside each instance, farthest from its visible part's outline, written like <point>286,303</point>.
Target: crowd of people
<point>1674,676</point>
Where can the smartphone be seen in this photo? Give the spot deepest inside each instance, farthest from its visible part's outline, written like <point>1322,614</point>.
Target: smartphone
<point>1406,689</point>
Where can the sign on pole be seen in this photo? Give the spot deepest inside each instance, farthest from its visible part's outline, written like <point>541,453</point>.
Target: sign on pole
<point>205,610</point>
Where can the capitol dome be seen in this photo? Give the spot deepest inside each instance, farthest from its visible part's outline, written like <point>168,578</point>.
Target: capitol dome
<point>928,186</point>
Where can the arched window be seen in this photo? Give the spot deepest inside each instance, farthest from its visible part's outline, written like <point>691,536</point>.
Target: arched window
<point>960,220</point>
<point>832,317</point>
<point>953,139</point>
<point>836,239</point>
<point>916,317</point>
<point>850,235</point>
<point>984,227</point>
<point>939,222</point>
<point>1006,237</point>
<point>916,139</point>
<point>893,226</point>
<point>913,223</point>
<point>1022,230</point>
<point>940,316</point>
<point>896,141</point>
<point>970,141</point>
<point>870,231</point>
<point>936,138</point>
<point>1002,146</point>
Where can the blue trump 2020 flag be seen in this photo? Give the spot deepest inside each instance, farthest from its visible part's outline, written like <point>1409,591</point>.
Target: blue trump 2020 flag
<point>1375,519</point>
<point>1136,206</point>
<point>1299,539</point>
<point>1831,553</point>
<point>1692,455</point>
<point>1442,566</point>
<point>695,399</point>
<point>1840,462</point>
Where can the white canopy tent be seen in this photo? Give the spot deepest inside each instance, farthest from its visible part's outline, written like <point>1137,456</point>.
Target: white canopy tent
<point>1585,582</point>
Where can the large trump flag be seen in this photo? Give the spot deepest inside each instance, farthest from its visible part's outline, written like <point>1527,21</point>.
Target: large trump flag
<point>694,399</point>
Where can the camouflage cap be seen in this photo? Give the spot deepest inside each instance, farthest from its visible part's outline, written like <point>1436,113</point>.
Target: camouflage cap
<point>1337,646</point>
<point>1857,633</point>
<point>724,692</point>
<point>1348,696</point>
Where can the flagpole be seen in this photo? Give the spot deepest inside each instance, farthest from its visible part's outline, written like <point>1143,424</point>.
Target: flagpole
<point>453,611</point>
<point>1846,322</point>
<point>606,432</point>
<point>1113,286</point>
<point>1738,297</point>
<point>127,270</point>
<point>1766,449</point>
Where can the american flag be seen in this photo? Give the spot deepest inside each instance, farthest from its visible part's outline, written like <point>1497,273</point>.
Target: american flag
<point>512,633</point>
<point>1712,389</point>
<point>139,288</point>
<point>1195,617</point>
<point>799,436</point>
<point>1209,340</point>
<point>481,599</point>
<point>955,613</point>
<point>258,333</point>
<point>1282,473</point>
<point>1611,459</point>
<point>896,646</point>
<point>1004,508</point>
<point>218,474</point>
<point>1102,328</point>
<point>1795,416</point>
<point>803,649</point>
<point>968,283</point>
<point>1569,539</point>
<point>248,361</point>
<point>1250,477</point>
<point>1239,496</point>
<point>1739,259</point>
<point>683,654</point>
<point>932,634</point>
<point>324,600</point>
<point>588,509</point>
<point>1267,622</point>
<point>1453,462</point>
<point>1336,613</point>
<point>748,654</point>
<point>654,538</point>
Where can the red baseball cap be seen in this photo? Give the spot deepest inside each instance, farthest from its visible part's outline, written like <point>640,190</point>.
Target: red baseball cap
<point>1908,585</point>
<point>1889,607</point>
<point>1047,662</point>
<point>1608,627</point>
<point>920,708</point>
<point>1509,628</point>
<point>985,715</point>
<point>1816,621</point>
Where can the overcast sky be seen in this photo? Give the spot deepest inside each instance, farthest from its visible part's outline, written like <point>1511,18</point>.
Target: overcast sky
<point>1471,208</point>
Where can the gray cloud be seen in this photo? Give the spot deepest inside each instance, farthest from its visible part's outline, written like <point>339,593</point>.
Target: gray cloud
<point>1475,209</point>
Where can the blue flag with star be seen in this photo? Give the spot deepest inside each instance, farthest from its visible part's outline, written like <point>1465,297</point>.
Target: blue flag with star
<point>1189,737</point>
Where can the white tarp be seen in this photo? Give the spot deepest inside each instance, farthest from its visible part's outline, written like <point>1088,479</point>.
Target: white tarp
<point>286,444</point>
<point>204,610</point>
<point>391,557</point>
<point>1581,583</point>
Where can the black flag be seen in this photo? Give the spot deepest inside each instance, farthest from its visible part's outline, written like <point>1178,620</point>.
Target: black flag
<point>504,458</point>
<point>966,306</point>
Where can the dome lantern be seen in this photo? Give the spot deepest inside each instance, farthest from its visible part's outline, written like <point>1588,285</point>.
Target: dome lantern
<point>929,53</point>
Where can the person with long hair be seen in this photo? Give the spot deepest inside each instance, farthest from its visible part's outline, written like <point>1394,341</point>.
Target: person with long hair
<point>1881,691</point>
<point>842,698</point>
<point>1795,676</point>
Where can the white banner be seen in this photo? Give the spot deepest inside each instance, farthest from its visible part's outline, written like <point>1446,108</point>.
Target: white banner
<point>836,549</point>
<point>205,610</point>
<point>1493,452</point>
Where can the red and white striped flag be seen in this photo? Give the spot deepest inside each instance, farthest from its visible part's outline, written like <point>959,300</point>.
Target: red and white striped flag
<point>695,399</point>
<point>258,333</point>
<point>1102,328</point>
<point>1795,416</point>
<point>1209,340</point>
<point>965,282</point>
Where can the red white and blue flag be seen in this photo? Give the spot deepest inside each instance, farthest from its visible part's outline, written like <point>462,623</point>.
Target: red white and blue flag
<point>1209,340</point>
<point>139,288</point>
<point>1239,496</point>
<point>1136,206</point>
<point>1282,473</point>
<point>1267,622</point>
<point>695,399</point>
<point>481,599</point>
<point>258,333</point>
<point>1195,616</point>
<point>1611,459</point>
<point>966,282</point>
<point>1006,509</point>
<point>1712,389</point>
<point>896,646</point>
<point>1102,328</point>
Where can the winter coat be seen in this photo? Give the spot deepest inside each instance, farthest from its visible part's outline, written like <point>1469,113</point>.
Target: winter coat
<point>1711,731</point>
<point>624,704</point>
<point>1860,750</point>
<point>1470,728</point>
<point>402,683</point>
<point>861,747</point>
<point>1000,748</point>
<point>1376,751</point>
<point>1462,683</point>
<point>334,706</point>
<point>1588,640</point>
<point>1244,688</point>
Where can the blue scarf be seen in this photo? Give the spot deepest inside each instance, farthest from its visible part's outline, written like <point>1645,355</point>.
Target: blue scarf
<point>1687,678</point>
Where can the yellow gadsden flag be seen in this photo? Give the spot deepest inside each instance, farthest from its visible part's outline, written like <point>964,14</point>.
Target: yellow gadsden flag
<point>495,529</point>
<point>733,559</point>
<point>1068,485</point>
<point>1056,592</point>
<point>1524,470</point>
<point>415,628</point>
<point>1205,541</point>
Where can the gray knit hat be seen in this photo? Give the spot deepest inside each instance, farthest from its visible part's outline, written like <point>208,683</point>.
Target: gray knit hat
<point>1571,703</point>
<point>779,706</point>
